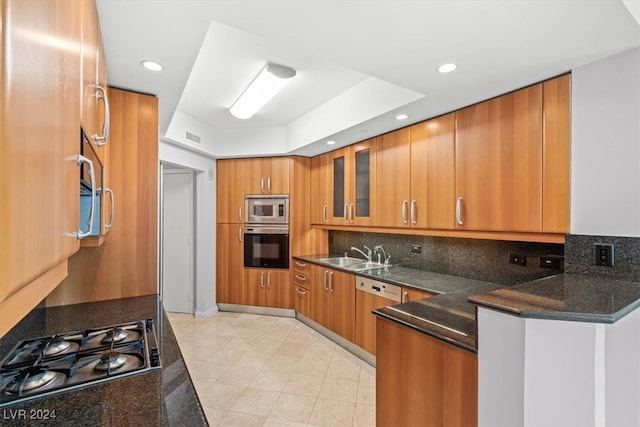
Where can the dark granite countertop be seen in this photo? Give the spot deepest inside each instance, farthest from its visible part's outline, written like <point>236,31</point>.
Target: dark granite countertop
<point>565,297</point>
<point>161,397</point>
<point>447,316</point>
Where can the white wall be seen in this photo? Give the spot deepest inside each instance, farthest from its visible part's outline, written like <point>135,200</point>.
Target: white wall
<point>205,226</point>
<point>605,175</point>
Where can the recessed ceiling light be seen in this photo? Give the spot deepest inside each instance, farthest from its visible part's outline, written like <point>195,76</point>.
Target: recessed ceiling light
<point>151,65</point>
<point>402,117</point>
<point>447,68</point>
<point>331,142</point>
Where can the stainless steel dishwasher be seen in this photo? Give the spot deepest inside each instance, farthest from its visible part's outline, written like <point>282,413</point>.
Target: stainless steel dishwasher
<point>371,294</point>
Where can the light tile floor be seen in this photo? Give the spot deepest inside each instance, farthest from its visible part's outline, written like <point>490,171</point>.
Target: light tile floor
<point>253,370</point>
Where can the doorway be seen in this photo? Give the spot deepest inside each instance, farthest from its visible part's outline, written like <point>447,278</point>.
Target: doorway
<point>177,240</point>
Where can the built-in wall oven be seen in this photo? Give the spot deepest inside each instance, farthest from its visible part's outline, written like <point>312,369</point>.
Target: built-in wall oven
<point>266,246</point>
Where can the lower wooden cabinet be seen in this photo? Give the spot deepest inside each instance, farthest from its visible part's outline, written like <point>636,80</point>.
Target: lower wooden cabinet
<point>266,288</point>
<point>413,294</point>
<point>229,264</point>
<point>302,300</point>
<point>334,301</point>
<point>422,381</point>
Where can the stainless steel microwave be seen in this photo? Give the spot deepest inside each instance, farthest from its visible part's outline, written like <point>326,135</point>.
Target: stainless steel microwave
<point>266,209</point>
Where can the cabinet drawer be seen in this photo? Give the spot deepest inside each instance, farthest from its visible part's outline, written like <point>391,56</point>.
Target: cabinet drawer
<point>301,280</point>
<point>302,267</point>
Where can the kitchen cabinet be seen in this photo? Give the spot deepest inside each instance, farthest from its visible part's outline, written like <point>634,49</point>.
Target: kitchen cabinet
<point>266,288</point>
<point>125,265</point>
<point>413,294</point>
<point>266,175</point>
<point>334,301</point>
<point>230,191</point>
<point>353,184</point>
<point>302,301</point>
<point>40,104</point>
<point>557,154</point>
<point>415,176</point>
<point>229,264</point>
<point>499,163</point>
<point>321,200</point>
<point>441,387</point>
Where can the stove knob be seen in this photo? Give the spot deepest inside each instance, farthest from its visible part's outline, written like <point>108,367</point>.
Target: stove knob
<point>155,357</point>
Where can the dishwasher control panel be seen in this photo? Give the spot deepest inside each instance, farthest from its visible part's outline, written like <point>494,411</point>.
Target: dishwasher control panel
<point>381,289</point>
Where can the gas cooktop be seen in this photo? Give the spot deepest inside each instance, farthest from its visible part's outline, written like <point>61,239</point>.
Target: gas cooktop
<point>41,366</point>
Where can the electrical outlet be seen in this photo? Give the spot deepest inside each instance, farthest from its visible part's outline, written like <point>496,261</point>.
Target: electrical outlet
<point>518,259</point>
<point>550,262</point>
<point>416,249</point>
<point>604,254</point>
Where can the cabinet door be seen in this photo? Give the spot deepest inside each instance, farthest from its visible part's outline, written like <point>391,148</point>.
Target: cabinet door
<point>342,304</point>
<point>320,304</point>
<point>557,151</point>
<point>362,167</point>
<point>321,189</point>
<point>499,163</point>
<point>412,294</point>
<point>229,264</point>
<point>302,301</point>
<point>254,176</point>
<point>40,104</point>
<point>393,177</point>
<point>277,289</point>
<point>277,175</point>
<point>340,185</point>
<point>433,173</point>
<point>255,287</point>
<point>230,191</point>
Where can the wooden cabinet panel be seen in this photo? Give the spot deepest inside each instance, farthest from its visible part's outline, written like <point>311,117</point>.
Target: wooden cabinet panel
<point>428,383</point>
<point>333,305</point>
<point>557,154</point>
<point>255,287</point>
<point>40,110</point>
<point>393,193</point>
<point>266,288</point>
<point>230,191</point>
<point>433,173</point>
<point>302,301</point>
<point>267,175</point>
<point>229,264</point>
<point>321,296</point>
<point>413,294</point>
<point>126,264</point>
<point>499,163</point>
<point>321,167</point>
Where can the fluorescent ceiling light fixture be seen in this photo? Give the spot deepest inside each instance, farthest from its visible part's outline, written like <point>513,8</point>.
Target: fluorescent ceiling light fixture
<point>402,117</point>
<point>271,79</point>
<point>151,65</point>
<point>331,142</point>
<point>447,68</point>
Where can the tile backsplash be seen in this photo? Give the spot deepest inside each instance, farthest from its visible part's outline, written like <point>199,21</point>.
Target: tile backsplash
<point>580,253</point>
<point>471,258</point>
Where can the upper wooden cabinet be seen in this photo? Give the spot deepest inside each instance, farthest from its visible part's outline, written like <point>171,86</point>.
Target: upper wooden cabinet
<point>230,191</point>
<point>499,163</point>
<point>556,110</point>
<point>266,175</point>
<point>94,109</point>
<point>321,198</point>
<point>40,109</point>
<point>393,190</point>
<point>352,174</point>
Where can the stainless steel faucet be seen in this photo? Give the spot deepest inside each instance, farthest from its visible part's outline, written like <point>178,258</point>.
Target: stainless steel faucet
<point>367,255</point>
<point>378,249</point>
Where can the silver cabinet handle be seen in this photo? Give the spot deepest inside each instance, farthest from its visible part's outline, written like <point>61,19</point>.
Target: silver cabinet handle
<point>405,294</point>
<point>414,205</point>
<point>240,234</point>
<point>113,207</point>
<point>269,280</point>
<point>269,184</point>
<point>301,278</point>
<point>346,210</point>
<point>300,292</point>
<point>325,208</point>
<point>404,212</point>
<point>102,139</point>
<point>240,214</point>
<point>331,281</point>
<point>79,233</point>
<point>262,185</point>
<point>301,264</point>
<point>324,281</point>
<point>459,210</point>
<point>351,211</point>
<point>262,279</point>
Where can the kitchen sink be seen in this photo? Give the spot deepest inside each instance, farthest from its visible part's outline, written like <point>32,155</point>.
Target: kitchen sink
<point>355,264</point>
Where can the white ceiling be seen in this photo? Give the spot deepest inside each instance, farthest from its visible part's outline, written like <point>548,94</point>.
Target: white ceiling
<point>358,62</point>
